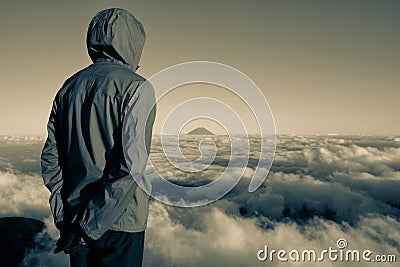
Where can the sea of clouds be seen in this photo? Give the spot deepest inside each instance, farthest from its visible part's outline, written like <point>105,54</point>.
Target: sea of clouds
<point>320,189</point>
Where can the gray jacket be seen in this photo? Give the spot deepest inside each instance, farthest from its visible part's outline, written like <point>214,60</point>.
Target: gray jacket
<point>83,163</point>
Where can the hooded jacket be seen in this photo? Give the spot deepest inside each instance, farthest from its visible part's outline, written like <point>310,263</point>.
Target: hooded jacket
<point>82,161</point>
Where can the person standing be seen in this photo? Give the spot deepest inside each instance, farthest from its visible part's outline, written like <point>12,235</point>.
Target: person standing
<point>98,207</point>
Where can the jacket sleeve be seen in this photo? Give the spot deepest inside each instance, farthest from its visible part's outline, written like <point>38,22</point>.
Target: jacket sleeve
<point>114,195</point>
<point>51,167</point>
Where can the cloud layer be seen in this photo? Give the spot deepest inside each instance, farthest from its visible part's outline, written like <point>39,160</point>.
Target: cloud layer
<point>319,189</point>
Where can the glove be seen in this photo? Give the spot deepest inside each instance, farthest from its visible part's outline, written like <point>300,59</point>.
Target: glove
<point>70,238</point>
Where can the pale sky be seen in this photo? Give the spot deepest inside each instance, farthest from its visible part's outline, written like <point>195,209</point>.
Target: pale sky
<point>323,66</point>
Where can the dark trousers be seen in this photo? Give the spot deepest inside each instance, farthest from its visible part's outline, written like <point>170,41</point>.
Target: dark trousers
<point>114,248</point>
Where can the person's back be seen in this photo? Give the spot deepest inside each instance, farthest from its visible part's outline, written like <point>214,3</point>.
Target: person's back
<point>93,195</point>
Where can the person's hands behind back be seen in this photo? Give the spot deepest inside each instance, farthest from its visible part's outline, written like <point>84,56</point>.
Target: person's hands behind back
<point>71,237</point>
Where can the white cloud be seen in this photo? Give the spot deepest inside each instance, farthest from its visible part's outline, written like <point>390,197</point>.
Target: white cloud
<point>233,241</point>
<point>23,195</point>
<point>320,189</point>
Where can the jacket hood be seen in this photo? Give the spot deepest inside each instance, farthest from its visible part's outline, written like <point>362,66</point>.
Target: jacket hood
<point>116,34</point>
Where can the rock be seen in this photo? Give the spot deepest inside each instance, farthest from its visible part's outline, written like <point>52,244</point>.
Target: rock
<point>17,234</point>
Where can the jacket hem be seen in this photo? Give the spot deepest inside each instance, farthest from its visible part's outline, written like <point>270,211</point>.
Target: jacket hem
<point>129,230</point>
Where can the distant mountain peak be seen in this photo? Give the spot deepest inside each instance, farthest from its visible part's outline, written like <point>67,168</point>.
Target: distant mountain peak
<point>200,131</point>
